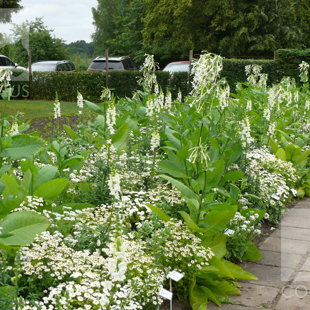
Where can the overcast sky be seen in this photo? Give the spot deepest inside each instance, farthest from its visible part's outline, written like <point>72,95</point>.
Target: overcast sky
<point>71,19</point>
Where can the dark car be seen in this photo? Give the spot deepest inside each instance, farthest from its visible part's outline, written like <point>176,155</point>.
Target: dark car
<point>114,64</point>
<point>53,66</point>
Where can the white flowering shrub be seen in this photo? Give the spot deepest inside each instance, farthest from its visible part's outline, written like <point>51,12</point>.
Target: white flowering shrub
<point>272,179</point>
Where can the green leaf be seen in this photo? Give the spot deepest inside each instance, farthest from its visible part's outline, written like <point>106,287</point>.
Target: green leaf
<point>274,146</point>
<point>252,253</point>
<point>74,163</point>
<point>45,174</point>
<point>235,192</point>
<point>238,272</point>
<point>197,297</point>
<point>175,169</point>
<point>186,191</point>
<point>94,107</point>
<point>159,212</point>
<point>72,134</point>
<point>234,175</point>
<point>190,223</point>
<point>281,154</point>
<point>22,146</point>
<point>217,245</point>
<point>120,138</point>
<point>8,204</point>
<point>24,226</point>
<point>11,186</point>
<point>218,218</point>
<point>51,189</point>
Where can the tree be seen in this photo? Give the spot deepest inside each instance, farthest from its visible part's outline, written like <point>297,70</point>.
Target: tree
<point>119,28</point>
<point>5,15</point>
<point>42,44</point>
<point>228,27</point>
<point>81,48</point>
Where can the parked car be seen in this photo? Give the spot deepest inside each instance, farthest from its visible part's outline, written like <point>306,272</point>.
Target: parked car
<point>114,64</point>
<point>177,66</point>
<point>53,66</point>
<point>7,63</point>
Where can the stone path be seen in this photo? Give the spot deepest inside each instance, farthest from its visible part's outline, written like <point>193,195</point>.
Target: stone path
<point>284,271</point>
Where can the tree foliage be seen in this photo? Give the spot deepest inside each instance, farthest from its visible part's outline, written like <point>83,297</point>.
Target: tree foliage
<point>170,28</point>
<point>5,15</point>
<point>43,45</point>
<point>81,47</point>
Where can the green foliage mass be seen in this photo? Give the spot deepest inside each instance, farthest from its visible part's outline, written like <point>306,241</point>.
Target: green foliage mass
<point>43,45</point>
<point>170,28</point>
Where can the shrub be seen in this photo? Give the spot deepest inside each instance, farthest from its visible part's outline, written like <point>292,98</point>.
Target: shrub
<point>234,70</point>
<point>288,60</point>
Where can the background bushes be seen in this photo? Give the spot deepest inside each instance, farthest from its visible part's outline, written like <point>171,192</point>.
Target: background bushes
<point>124,83</point>
<point>288,60</point>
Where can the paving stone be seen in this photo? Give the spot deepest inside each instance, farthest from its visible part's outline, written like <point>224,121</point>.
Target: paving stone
<point>306,265</point>
<point>292,299</point>
<point>230,307</point>
<point>279,259</point>
<point>255,295</point>
<point>297,221</point>
<point>303,204</point>
<point>293,233</point>
<point>285,245</point>
<point>268,275</point>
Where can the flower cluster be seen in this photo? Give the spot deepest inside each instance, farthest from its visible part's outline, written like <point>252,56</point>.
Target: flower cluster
<point>177,248</point>
<point>272,179</point>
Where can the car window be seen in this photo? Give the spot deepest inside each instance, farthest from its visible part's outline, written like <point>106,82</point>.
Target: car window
<point>112,65</point>
<point>2,62</point>
<point>71,65</point>
<point>177,68</point>
<point>9,62</point>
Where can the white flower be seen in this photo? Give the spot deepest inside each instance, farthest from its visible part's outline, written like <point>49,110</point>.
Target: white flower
<point>80,102</point>
<point>57,109</point>
<point>114,184</point>
<point>111,118</point>
<point>155,140</point>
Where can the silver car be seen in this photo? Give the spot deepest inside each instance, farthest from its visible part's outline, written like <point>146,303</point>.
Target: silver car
<point>7,63</point>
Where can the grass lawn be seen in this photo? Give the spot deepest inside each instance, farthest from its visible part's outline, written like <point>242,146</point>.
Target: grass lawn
<point>36,108</point>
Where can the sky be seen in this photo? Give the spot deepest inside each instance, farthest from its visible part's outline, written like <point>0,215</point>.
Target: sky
<point>71,19</point>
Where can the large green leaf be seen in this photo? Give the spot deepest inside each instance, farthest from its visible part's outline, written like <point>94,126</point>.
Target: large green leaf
<point>45,174</point>
<point>23,226</point>
<point>11,186</point>
<point>186,191</point>
<point>120,138</point>
<point>234,175</point>
<point>197,297</point>
<point>94,107</point>
<point>252,253</point>
<point>9,204</point>
<point>218,218</point>
<point>22,146</point>
<point>51,189</point>
<point>159,212</point>
<point>190,223</point>
<point>173,168</point>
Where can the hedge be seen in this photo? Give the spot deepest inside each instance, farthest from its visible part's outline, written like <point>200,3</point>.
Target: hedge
<point>124,83</point>
<point>288,60</point>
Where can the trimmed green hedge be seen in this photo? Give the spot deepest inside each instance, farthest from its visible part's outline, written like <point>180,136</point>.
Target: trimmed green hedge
<point>288,60</point>
<point>234,70</point>
<point>124,83</point>
<point>90,84</point>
